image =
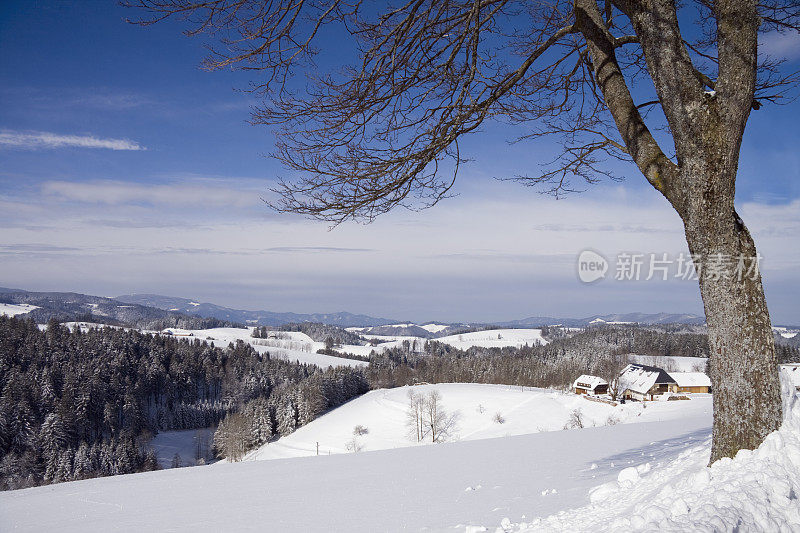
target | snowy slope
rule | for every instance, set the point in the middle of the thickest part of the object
(293, 346)
(647, 476)
(16, 309)
(446, 486)
(383, 413)
(434, 328)
(755, 491)
(495, 338)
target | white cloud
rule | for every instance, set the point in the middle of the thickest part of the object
(486, 255)
(45, 140)
(780, 44)
(197, 194)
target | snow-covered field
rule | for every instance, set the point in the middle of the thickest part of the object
(16, 309)
(383, 414)
(292, 346)
(644, 476)
(494, 338)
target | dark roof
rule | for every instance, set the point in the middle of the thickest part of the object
(663, 376)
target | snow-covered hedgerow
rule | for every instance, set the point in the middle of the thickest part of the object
(757, 490)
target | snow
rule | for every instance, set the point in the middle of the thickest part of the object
(383, 413)
(755, 491)
(691, 379)
(792, 373)
(648, 476)
(292, 346)
(16, 309)
(495, 338)
(436, 487)
(434, 328)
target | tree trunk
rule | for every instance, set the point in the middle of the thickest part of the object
(742, 364)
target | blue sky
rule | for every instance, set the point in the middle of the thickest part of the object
(125, 168)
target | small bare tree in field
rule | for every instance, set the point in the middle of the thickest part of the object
(575, 420)
(438, 424)
(602, 75)
(414, 416)
(427, 418)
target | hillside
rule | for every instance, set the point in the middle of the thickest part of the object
(259, 318)
(523, 411)
(291, 346)
(492, 338)
(66, 306)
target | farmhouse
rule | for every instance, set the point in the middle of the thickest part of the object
(587, 384)
(692, 381)
(643, 382)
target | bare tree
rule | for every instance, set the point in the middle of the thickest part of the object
(575, 420)
(611, 373)
(438, 424)
(414, 416)
(385, 131)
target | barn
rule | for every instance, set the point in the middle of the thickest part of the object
(586, 384)
(643, 382)
(696, 382)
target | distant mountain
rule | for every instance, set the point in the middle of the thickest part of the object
(638, 318)
(71, 305)
(137, 309)
(261, 318)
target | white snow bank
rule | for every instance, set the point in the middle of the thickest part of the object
(756, 491)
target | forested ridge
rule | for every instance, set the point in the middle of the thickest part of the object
(78, 405)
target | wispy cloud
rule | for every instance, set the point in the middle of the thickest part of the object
(780, 44)
(312, 249)
(45, 140)
(36, 248)
(109, 192)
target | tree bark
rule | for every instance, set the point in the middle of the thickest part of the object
(742, 363)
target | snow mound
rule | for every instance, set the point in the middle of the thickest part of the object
(758, 490)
